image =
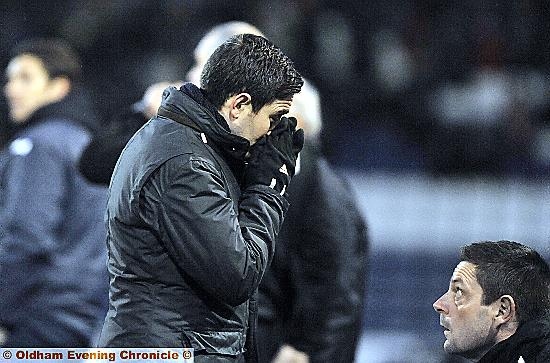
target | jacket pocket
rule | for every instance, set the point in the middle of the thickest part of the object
(220, 342)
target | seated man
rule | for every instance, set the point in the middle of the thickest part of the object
(498, 304)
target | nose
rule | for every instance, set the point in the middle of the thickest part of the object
(440, 305)
(10, 89)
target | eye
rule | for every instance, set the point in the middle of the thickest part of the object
(458, 292)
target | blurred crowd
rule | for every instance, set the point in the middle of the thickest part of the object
(407, 86)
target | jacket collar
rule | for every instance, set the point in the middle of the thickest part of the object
(190, 102)
(529, 338)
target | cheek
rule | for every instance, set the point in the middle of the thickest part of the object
(27, 97)
(266, 125)
(470, 318)
(262, 126)
(24, 90)
(32, 98)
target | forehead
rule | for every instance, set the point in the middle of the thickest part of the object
(464, 272)
(25, 63)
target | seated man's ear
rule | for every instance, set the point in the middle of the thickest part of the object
(505, 309)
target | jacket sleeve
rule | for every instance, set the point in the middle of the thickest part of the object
(31, 215)
(327, 270)
(225, 250)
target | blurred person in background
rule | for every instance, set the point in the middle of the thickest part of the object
(213, 39)
(497, 307)
(195, 202)
(312, 296)
(99, 158)
(53, 280)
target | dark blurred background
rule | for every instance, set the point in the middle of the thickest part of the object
(454, 87)
(437, 111)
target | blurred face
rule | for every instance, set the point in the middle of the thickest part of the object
(152, 98)
(253, 126)
(300, 121)
(470, 330)
(194, 74)
(28, 87)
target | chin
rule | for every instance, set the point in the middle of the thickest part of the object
(449, 348)
(18, 119)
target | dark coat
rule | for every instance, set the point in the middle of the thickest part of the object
(531, 342)
(99, 158)
(312, 295)
(53, 278)
(187, 247)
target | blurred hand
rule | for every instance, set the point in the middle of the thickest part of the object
(288, 354)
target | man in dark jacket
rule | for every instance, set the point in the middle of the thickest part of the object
(498, 305)
(194, 209)
(312, 296)
(53, 279)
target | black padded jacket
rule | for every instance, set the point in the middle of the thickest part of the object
(187, 247)
(529, 344)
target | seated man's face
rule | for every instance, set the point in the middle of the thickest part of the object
(28, 87)
(469, 327)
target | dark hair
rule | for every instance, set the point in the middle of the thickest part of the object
(249, 63)
(58, 58)
(510, 268)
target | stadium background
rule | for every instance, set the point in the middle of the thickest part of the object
(437, 112)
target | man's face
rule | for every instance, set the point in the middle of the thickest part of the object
(28, 87)
(253, 126)
(469, 325)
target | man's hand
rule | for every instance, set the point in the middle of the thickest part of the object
(288, 354)
(272, 158)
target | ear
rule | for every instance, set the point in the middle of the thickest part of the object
(505, 309)
(59, 88)
(238, 104)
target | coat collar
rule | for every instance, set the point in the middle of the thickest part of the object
(191, 103)
(530, 338)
